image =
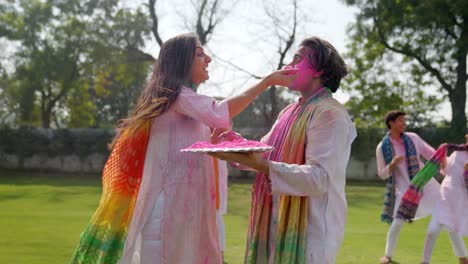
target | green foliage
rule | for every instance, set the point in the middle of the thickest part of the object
(364, 145)
(62, 46)
(27, 141)
(401, 49)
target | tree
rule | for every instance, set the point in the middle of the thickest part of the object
(430, 36)
(62, 43)
(283, 24)
(115, 72)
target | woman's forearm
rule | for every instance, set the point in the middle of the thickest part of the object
(239, 102)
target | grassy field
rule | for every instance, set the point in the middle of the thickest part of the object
(42, 216)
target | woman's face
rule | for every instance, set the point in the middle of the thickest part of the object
(305, 70)
(466, 138)
(200, 65)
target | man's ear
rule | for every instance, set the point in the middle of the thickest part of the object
(317, 74)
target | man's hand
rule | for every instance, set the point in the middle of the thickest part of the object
(395, 161)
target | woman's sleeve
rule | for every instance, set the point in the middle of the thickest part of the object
(203, 108)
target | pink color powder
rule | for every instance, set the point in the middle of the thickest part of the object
(237, 143)
(305, 74)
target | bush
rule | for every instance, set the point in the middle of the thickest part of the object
(25, 142)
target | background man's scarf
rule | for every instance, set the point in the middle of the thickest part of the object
(410, 201)
(103, 239)
(288, 138)
(460, 147)
(413, 167)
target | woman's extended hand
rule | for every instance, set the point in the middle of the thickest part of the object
(223, 134)
(283, 77)
(216, 134)
(253, 160)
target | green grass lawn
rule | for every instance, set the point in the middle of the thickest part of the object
(42, 216)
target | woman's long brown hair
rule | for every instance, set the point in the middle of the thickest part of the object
(171, 71)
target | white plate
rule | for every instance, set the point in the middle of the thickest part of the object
(232, 149)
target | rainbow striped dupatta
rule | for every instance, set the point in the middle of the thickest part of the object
(104, 238)
(410, 201)
(289, 139)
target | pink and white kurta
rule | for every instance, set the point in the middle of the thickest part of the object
(400, 171)
(223, 194)
(175, 214)
(452, 210)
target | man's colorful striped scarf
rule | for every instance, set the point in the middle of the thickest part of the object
(410, 201)
(288, 138)
(413, 167)
(460, 147)
(104, 237)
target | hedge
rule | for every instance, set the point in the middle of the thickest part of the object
(25, 142)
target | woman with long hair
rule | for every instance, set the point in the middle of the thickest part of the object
(158, 204)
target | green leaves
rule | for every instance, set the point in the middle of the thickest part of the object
(63, 46)
(399, 50)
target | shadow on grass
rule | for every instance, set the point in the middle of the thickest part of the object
(15, 177)
(8, 197)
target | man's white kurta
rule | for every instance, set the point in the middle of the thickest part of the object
(400, 171)
(329, 135)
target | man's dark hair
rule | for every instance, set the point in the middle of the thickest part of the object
(392, 116)
(326, 58)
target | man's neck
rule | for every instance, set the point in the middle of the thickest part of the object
(395, 134)
(314, 86)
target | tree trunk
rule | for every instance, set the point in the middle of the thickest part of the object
(46, 115)
(45, 120)
(274, 106)
(458, 95)
(458, 103)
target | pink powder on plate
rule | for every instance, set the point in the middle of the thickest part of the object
(236, 143)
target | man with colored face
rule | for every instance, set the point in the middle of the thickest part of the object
(299, 208)
(398, 161)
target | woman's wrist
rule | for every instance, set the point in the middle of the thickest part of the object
(266, 82)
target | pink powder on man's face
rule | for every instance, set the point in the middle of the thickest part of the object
(305, 74)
